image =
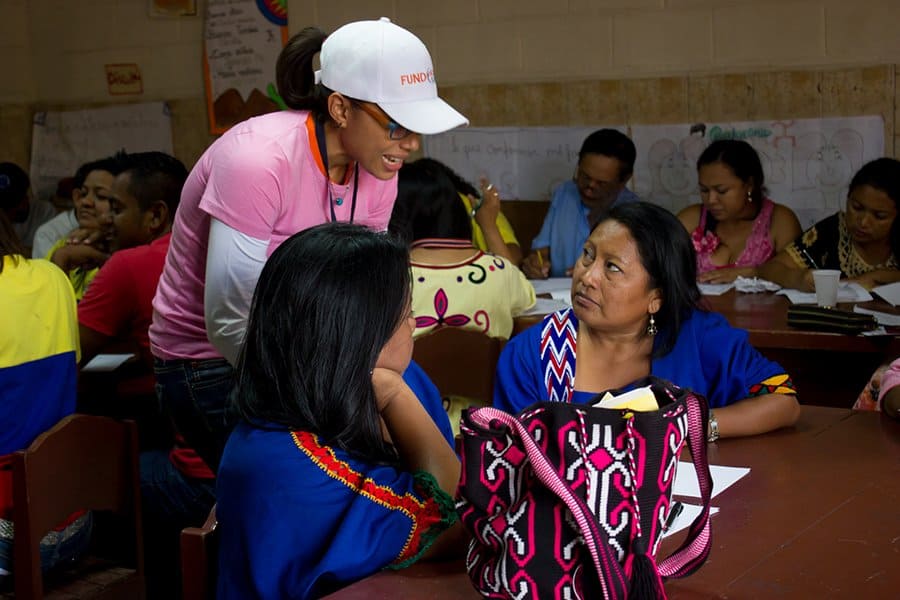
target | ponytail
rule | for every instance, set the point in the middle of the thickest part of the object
(294, 73)
(10, 245)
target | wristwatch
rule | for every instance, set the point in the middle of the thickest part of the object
(713, 428)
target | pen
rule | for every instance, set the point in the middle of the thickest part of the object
(676, 509)
(809, 258)
(540, 259)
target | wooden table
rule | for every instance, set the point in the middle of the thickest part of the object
(829, 369)
(817, 517)
(764, 316)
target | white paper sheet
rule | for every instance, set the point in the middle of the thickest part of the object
(552, 285)
(687, 516)
(890, 292)
(562, 296)
(883, 318)
(723, 477)
(847, 292)
(714, 289)
(880, 330)
(105, 362)
(544, 306)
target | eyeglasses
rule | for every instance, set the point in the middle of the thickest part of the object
(585, 180)
(395, 130)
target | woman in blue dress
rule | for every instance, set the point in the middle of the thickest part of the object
(337, 469)
(636, 312)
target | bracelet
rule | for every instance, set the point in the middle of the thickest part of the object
(713, 434)
(475, 207)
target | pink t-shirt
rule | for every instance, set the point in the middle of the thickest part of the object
(264, 178)
(757, 250)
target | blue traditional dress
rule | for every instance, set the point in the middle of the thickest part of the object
(710, 357)
(300, 519)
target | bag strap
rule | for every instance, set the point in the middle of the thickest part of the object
(695, 549)
(612, 578)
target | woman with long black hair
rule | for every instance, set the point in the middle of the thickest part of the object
(336, 469)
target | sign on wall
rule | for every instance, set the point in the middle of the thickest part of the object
(64, 140)
(124, 79)
(242, 39)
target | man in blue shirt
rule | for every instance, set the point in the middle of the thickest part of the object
(605, 164)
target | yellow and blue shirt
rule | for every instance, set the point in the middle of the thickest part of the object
(39, 350)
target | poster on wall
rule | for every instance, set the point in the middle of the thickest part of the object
(242, 39)
(523, 162)
(807, 163)
(64, 140)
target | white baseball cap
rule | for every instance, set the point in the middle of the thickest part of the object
(382, 63)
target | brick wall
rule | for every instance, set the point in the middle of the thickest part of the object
(523, 62)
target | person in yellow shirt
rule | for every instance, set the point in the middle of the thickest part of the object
(491, 231)
(39, 352)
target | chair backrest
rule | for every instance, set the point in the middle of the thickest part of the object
(459, 362)
(82, 462)
(526, 217)
(200, 560)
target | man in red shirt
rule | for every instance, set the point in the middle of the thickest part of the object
(178, 489)
(117, 307)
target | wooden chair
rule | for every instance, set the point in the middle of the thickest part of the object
(460, 362)
(82, 462)
(526, 218)
(199, 560)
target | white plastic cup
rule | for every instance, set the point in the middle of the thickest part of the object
(826, 281)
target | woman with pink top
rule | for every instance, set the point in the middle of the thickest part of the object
(883, 391)
(736, 228)
(333, 156)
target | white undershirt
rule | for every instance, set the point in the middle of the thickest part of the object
(234, 262)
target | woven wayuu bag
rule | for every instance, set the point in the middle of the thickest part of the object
(570, 501)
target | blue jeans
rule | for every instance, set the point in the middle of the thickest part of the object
(56, 548)
(196, 395)
(170, 501)
(169, 496)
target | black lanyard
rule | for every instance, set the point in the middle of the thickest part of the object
(323, 151)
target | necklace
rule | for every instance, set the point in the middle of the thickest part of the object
(339, 191)
(332, 201)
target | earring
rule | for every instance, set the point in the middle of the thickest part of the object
(750, 196)
(651, 327)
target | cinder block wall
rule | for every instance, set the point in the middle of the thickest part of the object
(504, 62)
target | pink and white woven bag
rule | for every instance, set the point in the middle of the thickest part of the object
(570, 501)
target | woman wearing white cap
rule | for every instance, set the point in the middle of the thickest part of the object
(333, 157)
